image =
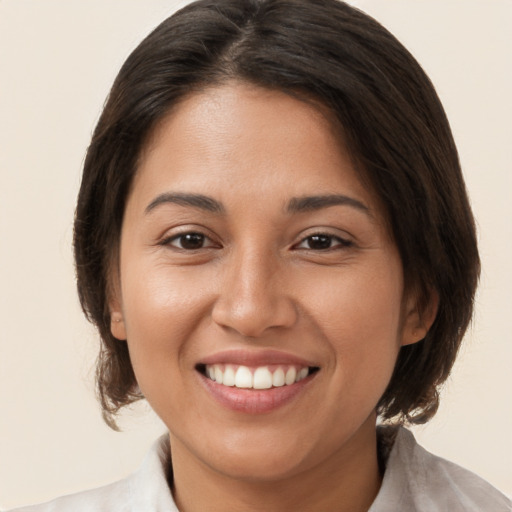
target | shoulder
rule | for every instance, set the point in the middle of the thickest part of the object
(146, 489)
(103, 499)
(415, 479)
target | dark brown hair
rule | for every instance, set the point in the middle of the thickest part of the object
(394, 126)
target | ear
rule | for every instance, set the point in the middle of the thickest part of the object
(117, 325)
(418, 318)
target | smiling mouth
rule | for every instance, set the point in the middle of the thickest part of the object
(259, 377)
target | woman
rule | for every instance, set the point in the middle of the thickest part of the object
(274, 240)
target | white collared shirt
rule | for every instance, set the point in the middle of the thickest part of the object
(414, 481)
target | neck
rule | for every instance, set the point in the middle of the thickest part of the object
(347, 480)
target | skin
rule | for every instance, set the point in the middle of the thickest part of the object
(259, 282)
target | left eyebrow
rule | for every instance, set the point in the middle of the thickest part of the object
(194, 200)
(312, 203)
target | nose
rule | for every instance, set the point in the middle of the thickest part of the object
(252, 298)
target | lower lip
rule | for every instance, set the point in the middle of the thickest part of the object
(255, 401)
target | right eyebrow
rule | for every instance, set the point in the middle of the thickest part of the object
(312, 203)
(195, 200)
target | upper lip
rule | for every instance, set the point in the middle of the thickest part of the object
(255, 358)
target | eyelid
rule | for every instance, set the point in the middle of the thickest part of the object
(177, 233)
(343, 241)
(208, 242)
(339, 240)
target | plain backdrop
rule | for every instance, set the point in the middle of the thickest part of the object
(58, 59)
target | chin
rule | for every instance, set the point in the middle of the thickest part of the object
(267, 455)
(259, 465)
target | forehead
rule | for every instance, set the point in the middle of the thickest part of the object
(244, 141)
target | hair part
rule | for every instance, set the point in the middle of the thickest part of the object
(394, 127)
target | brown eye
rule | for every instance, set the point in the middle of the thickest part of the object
(319, 242)
(323, 242)
(189, 241)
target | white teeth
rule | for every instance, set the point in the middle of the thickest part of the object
(229, 376)
(290, 376)
(278, 378)
(303, 373)
(257, 378)
(262, 378)
(243, 377)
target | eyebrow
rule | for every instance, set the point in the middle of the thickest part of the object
(195, 200)
(312, 203)
(295, 205)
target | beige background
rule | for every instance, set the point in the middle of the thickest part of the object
(57, 61)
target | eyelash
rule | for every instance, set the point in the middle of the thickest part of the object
(169, 241)
(339, 243)
(335, 242)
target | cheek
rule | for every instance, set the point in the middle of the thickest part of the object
(154, 292)
(359, 318)
(357, 306)
(162, 308)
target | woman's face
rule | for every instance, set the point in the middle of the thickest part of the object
(251, 254)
